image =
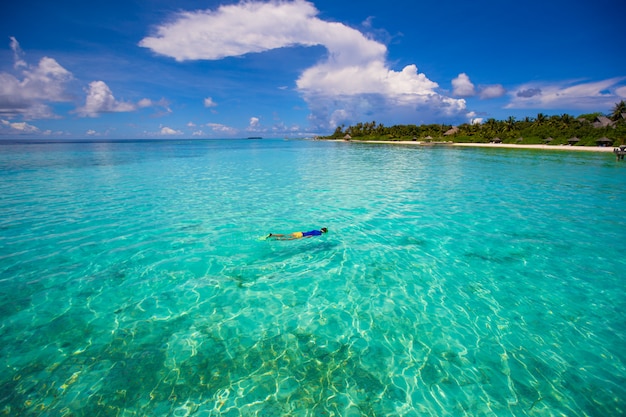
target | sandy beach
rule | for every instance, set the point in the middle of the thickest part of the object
(490, 145)
(542, 147)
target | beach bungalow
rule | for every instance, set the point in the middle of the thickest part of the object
(573, 141)
(347, 137)
(602, 121)
(496, 140)
(520, 139)
(603, 142)
(548, 140)
(452, 131)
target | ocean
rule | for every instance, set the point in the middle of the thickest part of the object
(136, 281)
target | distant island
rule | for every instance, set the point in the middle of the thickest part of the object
(255, 137)
(594, 129)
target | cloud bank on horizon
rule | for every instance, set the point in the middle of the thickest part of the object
(352, 81)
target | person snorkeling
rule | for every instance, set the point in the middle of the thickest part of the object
(297, 235)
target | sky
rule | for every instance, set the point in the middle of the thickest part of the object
(220, 69)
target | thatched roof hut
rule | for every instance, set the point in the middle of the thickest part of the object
(496, 140)
(452, 131)
(602, 121)
(604, 141)
(573, 141)
(548, 139)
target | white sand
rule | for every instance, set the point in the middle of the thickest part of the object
(548, 147)
(489, 145)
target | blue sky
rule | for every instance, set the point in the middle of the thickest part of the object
(219, 69)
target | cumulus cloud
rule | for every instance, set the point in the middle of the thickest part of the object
(145, 102)
(492, 91)
(28, 93)
(222, 129)
(254, 122)
(354, 75)
(574, 94)
(100, 100)
(462, 86)
(168, 131)
(208, 102)
(18, 127)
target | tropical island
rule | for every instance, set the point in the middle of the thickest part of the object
(593, 129)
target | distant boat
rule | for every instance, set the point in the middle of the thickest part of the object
(255, 137)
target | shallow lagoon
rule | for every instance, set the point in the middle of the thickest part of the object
(452, 282)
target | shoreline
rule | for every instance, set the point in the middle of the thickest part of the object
(486, 145)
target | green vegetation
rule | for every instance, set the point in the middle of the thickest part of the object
(589, 129)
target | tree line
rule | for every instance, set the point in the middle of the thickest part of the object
(555, 130)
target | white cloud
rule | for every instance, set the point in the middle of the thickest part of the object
(28, 93)
(354, 76)
(591, 96)
(621, 92)
(492, 91)
(145, 102)
(208, 102)
(167, 131)
(100, 99)
(17, 53)
(462, 86)
(222, 129)
(254, 122)
(233, 30)
(91, 132)
(19, 127)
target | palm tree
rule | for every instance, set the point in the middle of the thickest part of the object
(566, 120)
(338, 131)
(510, 123)
(491, 127)
(541, 119)
(618, 110)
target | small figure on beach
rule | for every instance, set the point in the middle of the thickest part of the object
(297, 235)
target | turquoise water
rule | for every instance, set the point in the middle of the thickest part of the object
(452, 282)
